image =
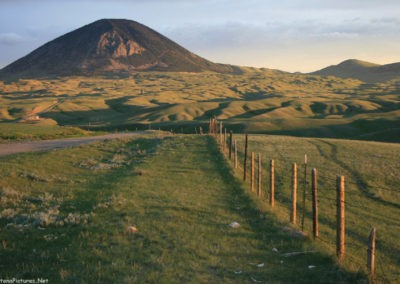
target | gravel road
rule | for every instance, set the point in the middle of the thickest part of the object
(46, 145)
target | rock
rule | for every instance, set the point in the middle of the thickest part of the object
(293, 232)
(234, 225)
(132, 230)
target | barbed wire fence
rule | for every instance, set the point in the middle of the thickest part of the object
(342, 212)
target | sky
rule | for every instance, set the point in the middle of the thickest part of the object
(290, 35)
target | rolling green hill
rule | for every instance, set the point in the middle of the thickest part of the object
(262, 101)
(71, 219)
(362, 70)
(94, 78)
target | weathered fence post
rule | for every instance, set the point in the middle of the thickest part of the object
(304, 193)
(230, 145)
(245, 157)
(259, 176)
(224, 144)
(314, 186)
(340, 230)
(220, 133)
(252, 172)
(371, 252)
(272, 184)
(236, 156)
(294, 194)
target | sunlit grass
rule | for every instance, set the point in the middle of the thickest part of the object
(72, 223)
(21, 131)
(372, 196)
(261, 101)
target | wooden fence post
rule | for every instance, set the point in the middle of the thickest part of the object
(304, 193)
(245, 157)
(230, 145)
(224, 144)
(220, 133)
(259, 176)
(340, 230)
(294, 194)
(235, 155)
(272, 184)
(252, 172)
(371, 252)
(314, 186)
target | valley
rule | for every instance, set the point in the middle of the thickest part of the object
(257, 101)
(148, 200)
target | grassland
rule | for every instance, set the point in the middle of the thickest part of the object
(258, 101)
(372, 195)
(67, 220)
(65, 213)
(21, 131)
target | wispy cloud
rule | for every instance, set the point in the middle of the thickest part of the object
(274, 32)
(10, 39)
(281, 34)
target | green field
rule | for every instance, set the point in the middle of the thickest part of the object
(65, 214)
(257, 101)
(372, 195)
(22, 131)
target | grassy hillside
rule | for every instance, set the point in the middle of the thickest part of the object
(362, 70)
(371, 189)
(260, 101)
(22, 131)
(69, 219)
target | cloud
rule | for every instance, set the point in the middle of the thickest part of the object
(10, 39)
(275, 31)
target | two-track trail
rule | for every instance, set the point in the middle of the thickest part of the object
(187, 197)
(195, 221)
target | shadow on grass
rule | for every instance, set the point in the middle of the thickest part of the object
(270, 231)
(57, 253)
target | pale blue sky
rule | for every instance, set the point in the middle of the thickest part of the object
(290, 35)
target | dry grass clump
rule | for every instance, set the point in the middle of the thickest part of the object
(23, 211)
(120, 158)
(113, 201)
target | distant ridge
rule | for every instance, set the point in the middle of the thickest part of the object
(110, 46)
(362, 70)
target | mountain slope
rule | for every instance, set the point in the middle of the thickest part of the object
(110, 45)
(362, 70)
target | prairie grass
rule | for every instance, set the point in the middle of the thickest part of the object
(371, 185)
(20, 131)
(263, 101)
(180, 195)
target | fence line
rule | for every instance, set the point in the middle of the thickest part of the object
(326, 183)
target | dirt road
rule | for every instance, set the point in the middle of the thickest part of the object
(46, 145)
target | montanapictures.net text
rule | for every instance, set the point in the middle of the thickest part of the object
(24, 281)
